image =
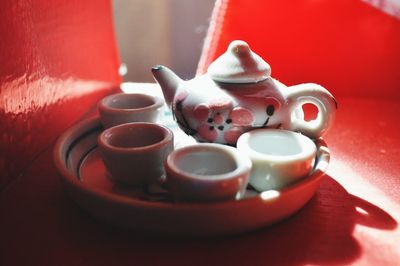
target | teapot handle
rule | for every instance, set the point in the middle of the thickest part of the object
(317, 95)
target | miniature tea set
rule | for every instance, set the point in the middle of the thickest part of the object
(236, 95)
(253, 145)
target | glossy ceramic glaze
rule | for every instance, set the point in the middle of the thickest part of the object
(123, 108)
(207, 172)
(238, 94)
(279, 157)
(134, 153)
(77, 159)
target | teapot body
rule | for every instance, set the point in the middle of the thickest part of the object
(220, 112)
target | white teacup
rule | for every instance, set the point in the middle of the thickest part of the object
(279, 157)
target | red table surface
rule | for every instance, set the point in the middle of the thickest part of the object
(353, 218)
(347, 46)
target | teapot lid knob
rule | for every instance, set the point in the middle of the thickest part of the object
(239, 65)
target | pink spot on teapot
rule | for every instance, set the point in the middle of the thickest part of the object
(238, 94)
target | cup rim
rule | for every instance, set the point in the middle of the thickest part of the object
(103, 106)
(308, 146)
(168, 137)
(243, 163)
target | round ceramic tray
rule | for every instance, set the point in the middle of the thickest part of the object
(78, 161)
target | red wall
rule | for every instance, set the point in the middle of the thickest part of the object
(57, 58)
(348, 46)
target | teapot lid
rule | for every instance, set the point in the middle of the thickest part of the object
(239, 65)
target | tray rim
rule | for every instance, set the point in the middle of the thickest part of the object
(66, 141)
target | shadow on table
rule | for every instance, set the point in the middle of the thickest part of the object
(320, 233)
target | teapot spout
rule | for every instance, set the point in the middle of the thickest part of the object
(168, 81)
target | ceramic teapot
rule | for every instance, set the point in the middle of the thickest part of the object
(238, 94)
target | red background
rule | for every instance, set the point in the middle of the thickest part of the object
(347, 46)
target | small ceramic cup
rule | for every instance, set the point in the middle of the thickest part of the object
(279, 157)
(134, 153)
(207, 172)
(124, 108)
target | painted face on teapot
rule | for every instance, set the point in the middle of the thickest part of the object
(238, 94)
